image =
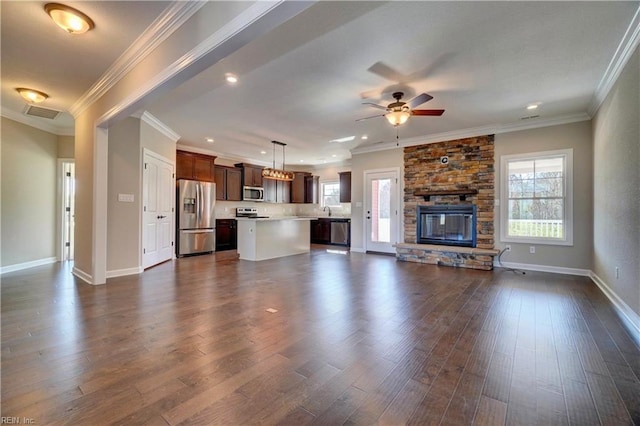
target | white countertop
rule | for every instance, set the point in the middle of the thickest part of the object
(272, 218)
(275, 218)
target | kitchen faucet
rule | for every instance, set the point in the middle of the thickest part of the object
(327, 207)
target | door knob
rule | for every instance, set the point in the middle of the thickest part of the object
(161, 217)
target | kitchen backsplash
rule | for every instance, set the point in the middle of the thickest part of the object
(227, 209)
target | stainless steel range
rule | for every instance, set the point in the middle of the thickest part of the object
(251, 212)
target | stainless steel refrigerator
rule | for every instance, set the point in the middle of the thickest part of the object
(196, 222)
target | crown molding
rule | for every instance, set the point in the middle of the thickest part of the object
(38, 124)
(623, 53)
(472, 132)
(252, 15)
(154, 122)
(176, 14)
(221, 155)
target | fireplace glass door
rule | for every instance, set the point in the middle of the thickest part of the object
(447, 225)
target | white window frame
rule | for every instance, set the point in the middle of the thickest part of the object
(567, 155)
(328, 182)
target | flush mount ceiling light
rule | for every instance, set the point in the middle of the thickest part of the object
(277, 174)
(231, 78)
(210, 140)
(32, 96)
(69, 19)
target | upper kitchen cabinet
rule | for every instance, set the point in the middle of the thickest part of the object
(298, 187)
(190, 165)
(277, 191)
(345, 187)
(228, 183)
(312, 189)
(251, 175)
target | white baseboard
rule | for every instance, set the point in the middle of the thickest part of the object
(27, 265)
(357, 249)
(631, 319)
(122, 272)
(543, 268)
(82, 275)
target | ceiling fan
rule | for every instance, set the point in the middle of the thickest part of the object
(398, 112)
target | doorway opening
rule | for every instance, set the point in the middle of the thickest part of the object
(67, 209)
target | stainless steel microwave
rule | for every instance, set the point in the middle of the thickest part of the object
(252, 193)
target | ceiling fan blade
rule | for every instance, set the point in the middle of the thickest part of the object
(419, 100)
(374, 105)
(373, 116)
(433, 112)
(385, 71)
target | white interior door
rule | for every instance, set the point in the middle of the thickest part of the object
(382, 218)
(157, 205)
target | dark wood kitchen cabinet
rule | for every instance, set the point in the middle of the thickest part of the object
(251, 174)
(321, 231)
(191, 165)
(228, 183)
(312, 189)
(226, 234)
(277, 191)
(345, 187)
(298, 187)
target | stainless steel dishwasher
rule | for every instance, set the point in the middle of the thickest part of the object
(340, 232)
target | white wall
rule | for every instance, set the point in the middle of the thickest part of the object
(578, 137)
(127, 140)
(359, 164)
(616, 210)
(123, 222)
(28, 212)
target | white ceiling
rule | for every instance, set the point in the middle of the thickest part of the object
(304, 83)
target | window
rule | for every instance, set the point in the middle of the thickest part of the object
(537, 197)
(330, 194)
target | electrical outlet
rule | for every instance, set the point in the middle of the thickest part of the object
(532, 249)
(507, 247)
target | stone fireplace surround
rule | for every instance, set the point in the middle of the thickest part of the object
(465, 176)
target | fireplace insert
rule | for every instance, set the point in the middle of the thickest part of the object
(451, 225)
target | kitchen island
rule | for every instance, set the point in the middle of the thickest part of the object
(269, 238)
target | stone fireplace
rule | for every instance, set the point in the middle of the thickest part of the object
(449, 178)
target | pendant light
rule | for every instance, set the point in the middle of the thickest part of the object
(277, 174)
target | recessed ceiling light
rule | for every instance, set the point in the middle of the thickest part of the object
(210, 140)
(302, 161)
(342, 140)
(231, 78)
(263, 152)
(69, 19)
(532, 106)
(30, 95)
(364, 137)
(334, 155)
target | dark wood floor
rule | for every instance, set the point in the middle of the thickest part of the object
(357, 339)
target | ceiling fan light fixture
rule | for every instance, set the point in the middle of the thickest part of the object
(32, 96)
(69, 19)
(397, 117)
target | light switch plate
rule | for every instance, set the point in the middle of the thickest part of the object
(126, 198)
